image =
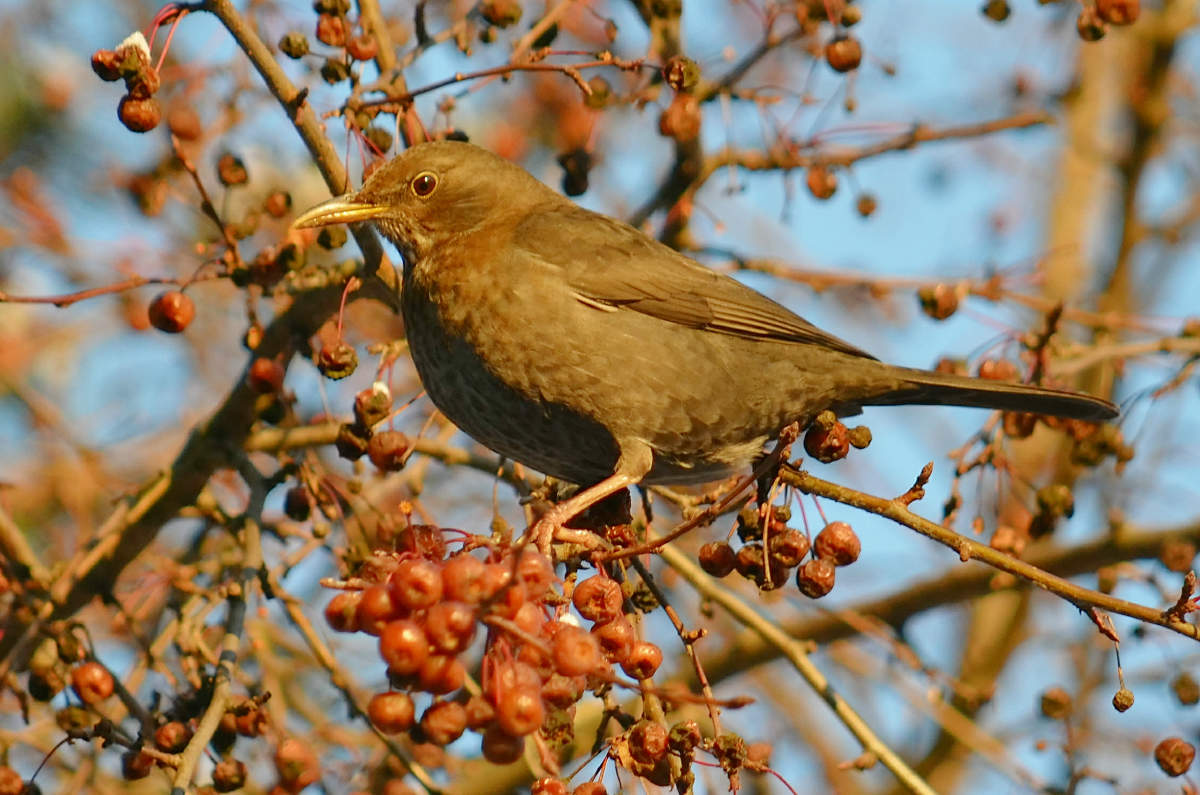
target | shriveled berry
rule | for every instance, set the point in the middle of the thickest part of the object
(416, 583)
(363, 48)
(750, 562)
(598, 599)
(682, 119)
(939, 301)
(838, 542)
(480, 712)
(1122, 699)
(643, 660)
(92, 682)
(171, 311)
(296, 504)
(1177, 555)
(372, 405)
(827, 443)
(648, 741)
(999, 370)
(616, 639)
(139, 115)
(548, 786)
(107, 65)
(501, 13)
(681, 73)
(815, 577)
(562, 692)
(331, 30)
(294, 44)
(717, 558)
(231, 170)
(404, 646)
(1186, 689)
(787, 548)
(391, 712)
(536, 573)
(1056, 703)
(388, 450)
(11, 782)
(352, 441)
(1174, 755)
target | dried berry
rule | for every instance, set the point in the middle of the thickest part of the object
(1089, 24)
(717, 558)
(171, 311)
(296, 764)
(388, 450)
(1122, 699)
(681, 73)
(501, 13)
(231, 170)
(821, 181)
(827, 439)
(294, 44)
(996, 10)
(681, 119)
(1174, 755)
(337, 360)
(1119, 12)
(939, 301)
(838, 543)
(351, 442)
(598, 599)
(391, 712)
(229, 775)
(816, 577)
(139, 114)
(1056, 703)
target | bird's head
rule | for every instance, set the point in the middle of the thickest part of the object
(432, 192)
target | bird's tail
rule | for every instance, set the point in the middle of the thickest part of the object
(920, 387)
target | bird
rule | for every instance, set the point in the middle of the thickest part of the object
(581, 347)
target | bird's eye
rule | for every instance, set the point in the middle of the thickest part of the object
(424, 183)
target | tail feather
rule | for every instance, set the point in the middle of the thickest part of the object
(919, 387)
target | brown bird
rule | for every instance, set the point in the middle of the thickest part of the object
(580, 347)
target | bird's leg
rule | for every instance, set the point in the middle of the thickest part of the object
(635, 461)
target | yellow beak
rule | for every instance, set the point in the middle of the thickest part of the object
(338, 210)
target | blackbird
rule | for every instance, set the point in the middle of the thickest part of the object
(580, 347)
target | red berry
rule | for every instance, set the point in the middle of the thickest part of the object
(815, 578)
(391, 712)
(441, 674)
(11, 782)
(107, 65)
(229, 775)
(520, 710)
(576, 652)
(480, 712)
(648, 741)
(92, 682)
(536, 573)
(462, 579)
(717, 558)
(342, 611)
(171, 311)
(616, 639)
(416, 583)
(643, 660)
(1174, 755)
(548, 786)
(450, 626)
(139, 115)
(136, 765)
(843, 53)
(404, 647)
(839, 543)
(562, 691)
(376, 607)
(788, 548)
(821, 181)
(444, 722)
(827, 443)
(598, 599)
(388, 450)
(1119, 12)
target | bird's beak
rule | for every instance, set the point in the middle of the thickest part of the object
(339, 210)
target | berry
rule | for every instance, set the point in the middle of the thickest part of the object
(171, 311)
(576, 652)
(648, 741)
(815, 578)
(843, 53)
(11, 782)
(536, 573)
(107, 65)
(391, 712)
(463, 579)
(680, 73)
(500, 747)
(838, 543)
(231, 170)
(404, 646)
(294, 44)
(717, 558)
(388, 450)
(1119, 12)
(331, 30)
(342, 611)
(296, 505)
(480, 712)
(939, 301)
(444, 722)
(520, 710)
(229, 775)
(416, 583)
(821, 181)
(172, 737)
(827, 439)
(598, 599)
(296, 764)
(376, 607)
(372, 405)
(92, 682)
(616, 639)
(441, 674)
(1174, 755)
(548, 786)
(501, 13)
(139, 115)
(450, 626)
(136, 765)
(1056, 703)
(643, 660)
(1122, 699)
(787, 548)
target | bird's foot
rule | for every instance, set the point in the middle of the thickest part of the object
(549, 530)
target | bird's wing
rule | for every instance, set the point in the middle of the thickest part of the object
(610, 265)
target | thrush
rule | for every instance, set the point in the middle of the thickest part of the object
(579, 346)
